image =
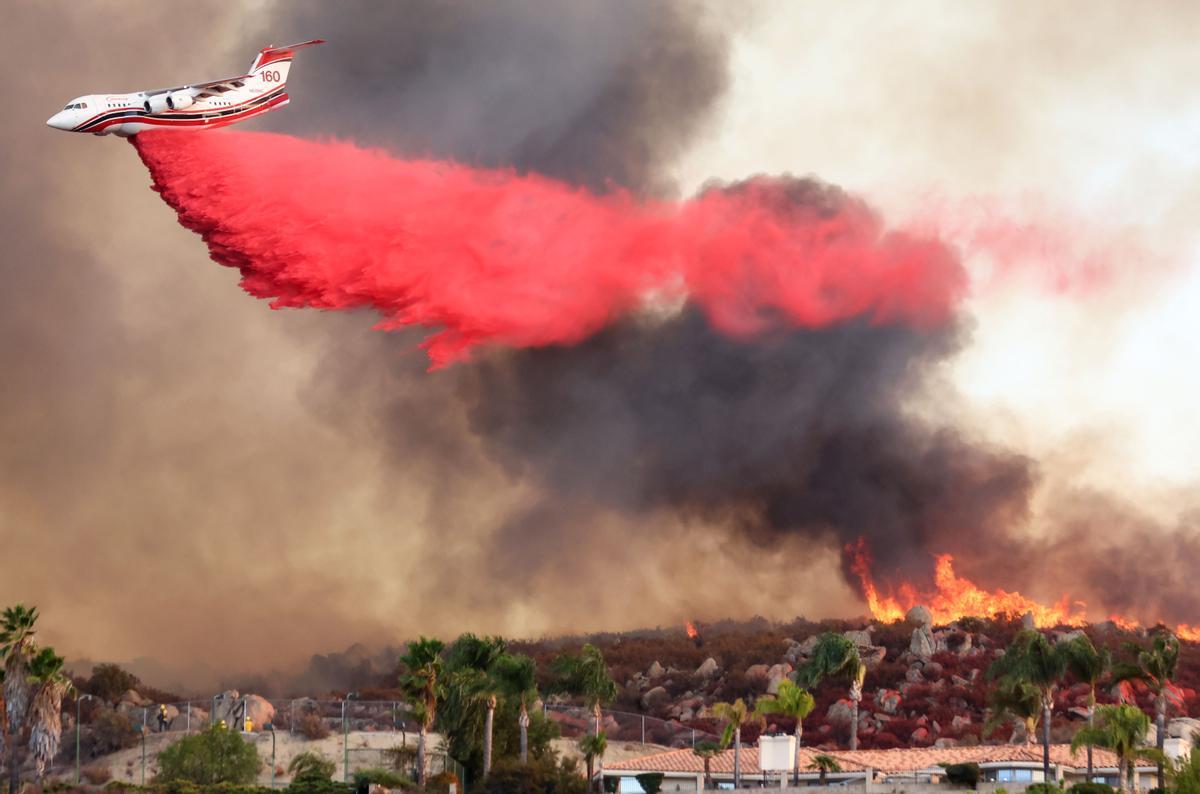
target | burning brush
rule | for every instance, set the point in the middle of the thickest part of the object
(692, 632)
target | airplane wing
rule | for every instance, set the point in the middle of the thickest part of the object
(212, 87)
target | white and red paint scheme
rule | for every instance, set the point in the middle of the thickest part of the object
(192, 107)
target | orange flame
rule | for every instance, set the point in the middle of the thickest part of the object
(956, 597)
(690, 627)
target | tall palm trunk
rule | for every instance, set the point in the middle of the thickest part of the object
(796, 765)
(488, 721)
(46, 733)
(523, 723)
(707, 772)
(1160, 722)
(855, 696)
(1091, 726)
(737, 757)
(597, 714)
(421, 753)
(16, 706)
(1047, 704)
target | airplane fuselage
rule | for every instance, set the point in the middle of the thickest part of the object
(197, 106)
(129, 114)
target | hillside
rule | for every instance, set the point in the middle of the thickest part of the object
(937, 695)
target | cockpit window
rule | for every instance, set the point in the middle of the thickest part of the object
(76, 106)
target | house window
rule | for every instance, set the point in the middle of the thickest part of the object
(1014, 776)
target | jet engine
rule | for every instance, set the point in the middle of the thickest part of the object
(163, 102)
(179, 100)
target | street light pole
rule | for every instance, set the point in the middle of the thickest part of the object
(78, 703)
(346, 738)
(271, 726)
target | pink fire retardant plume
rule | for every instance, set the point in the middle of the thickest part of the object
(494, 257)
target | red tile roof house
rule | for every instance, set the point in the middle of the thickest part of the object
(1009, 766)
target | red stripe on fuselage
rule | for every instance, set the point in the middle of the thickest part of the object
(159, 121)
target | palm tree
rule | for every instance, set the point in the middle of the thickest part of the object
(734, 715)
(586, 676)
(17, 632)
(469, 662)
(837, 657)
(593, 746)
(1154, 667)
(1015, 699)
(1123, 730)
(706, 750)
(825, 764)
(516, 677)
(49, 687)
(421, 679)
(790, 701)
(1032, 659)
(1087, 666)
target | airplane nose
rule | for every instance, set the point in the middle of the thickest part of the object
(57, 121)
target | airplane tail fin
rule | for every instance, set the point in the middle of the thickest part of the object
(270, 68)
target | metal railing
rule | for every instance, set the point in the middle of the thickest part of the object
(625, 726)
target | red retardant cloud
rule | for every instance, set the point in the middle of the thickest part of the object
(494, 257)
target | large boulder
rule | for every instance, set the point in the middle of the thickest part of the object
(861, 639)
(259, 710)
(873, 656)
(655, 670)
(922, 645)
(656, 700)
(757, 673)
(776, 675)
(839, 713)
(708, 668)
(919, 616)
(132, 697)
(887, 700)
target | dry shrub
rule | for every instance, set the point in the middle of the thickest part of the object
(96, 774)
(311, 726)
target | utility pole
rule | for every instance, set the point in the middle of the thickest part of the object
(346, 738)
(78, 703)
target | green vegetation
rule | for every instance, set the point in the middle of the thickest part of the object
(825, 764)
(962, 774)
(1032, 662)
(1184, 774)
(311, 765)
(1087, 666)
(17, 645)
(707, 751)
(790, 701)
(835, 656)
(593, 746)
(1154, 667)
(216, 755)
(1123, 730)
(651, 782)
(732, 716)
(109, 681)
(539, 776)
(1091, 788)
(383, 777)
(422, 680)
(1043, 788)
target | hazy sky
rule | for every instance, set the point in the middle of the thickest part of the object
(180, 478)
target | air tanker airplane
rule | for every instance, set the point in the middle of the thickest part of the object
(193, 107)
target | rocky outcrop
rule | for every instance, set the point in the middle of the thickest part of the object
(656, 700)
(708, 668)
(922, 645)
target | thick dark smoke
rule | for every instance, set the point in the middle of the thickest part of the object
(805, 433)
(595, 93)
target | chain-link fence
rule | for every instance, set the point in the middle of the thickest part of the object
(623, 726)
(355, 734)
